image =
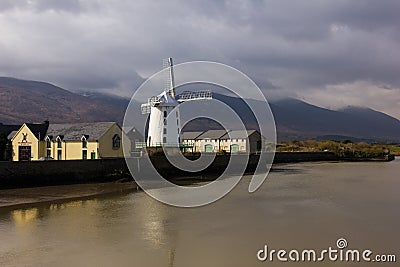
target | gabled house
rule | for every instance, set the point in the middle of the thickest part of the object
(236, 141)
(248, 141)
(209, 141)
(73, 141)
(189, 141)
(27, 143)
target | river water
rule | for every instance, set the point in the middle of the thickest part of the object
(300, 206)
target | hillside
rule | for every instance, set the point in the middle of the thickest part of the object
(30, 101)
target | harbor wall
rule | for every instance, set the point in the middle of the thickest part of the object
(42, 173)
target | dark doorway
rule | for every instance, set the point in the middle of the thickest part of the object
(24, 153)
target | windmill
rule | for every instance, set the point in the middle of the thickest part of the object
(164, 123)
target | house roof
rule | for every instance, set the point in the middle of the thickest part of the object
(74, 131)
(7, 129)
(212, 134)
(133, 134)
(11, 135)
(190, 135)
(38, 129)
(238, 134)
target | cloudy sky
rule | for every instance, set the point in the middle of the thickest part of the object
(329, 53)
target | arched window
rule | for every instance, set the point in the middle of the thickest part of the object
(116, 141)
(48, 142)
(59, 142)
(84, 142)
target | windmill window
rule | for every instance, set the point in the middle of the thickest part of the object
(165, 121)
(116, 142)
(165, 130)
(165, 114)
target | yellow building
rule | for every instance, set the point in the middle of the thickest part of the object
(74, 141)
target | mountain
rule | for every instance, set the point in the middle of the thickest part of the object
(298, 120)
(31, 101)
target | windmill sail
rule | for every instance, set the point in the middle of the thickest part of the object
(196, 95)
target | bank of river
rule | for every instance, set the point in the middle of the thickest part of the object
(46, 173)
(302, 206)
(28, 197)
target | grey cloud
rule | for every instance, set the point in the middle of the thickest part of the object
(295, 47)
(42, 5)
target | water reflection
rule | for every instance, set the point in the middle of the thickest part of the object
(22, 217)
(310, 207)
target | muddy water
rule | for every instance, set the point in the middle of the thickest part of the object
(300, 206)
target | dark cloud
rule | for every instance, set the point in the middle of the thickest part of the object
(311, 49)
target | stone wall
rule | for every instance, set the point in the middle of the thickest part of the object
(40, 173)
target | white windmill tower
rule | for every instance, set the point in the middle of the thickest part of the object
(164, 123)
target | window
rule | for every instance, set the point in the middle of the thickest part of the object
(59, 154)
(165, 114)
(84, 142)
(93, 155)
(59, 142)
(48, 142)
(165, 121)
(116, 142)
(208, 148)
(84, 154)
(48, 153)
(165, 130)
(164, 140)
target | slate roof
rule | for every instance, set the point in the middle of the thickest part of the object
(7, 129)
(74, 131)
(38, 129)
(11, 135)
(133, 134)
(190, 135)
(212, 134)
(238, 134)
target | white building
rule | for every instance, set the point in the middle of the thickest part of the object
(248, 141)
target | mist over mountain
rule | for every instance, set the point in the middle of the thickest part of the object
(32, 101)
